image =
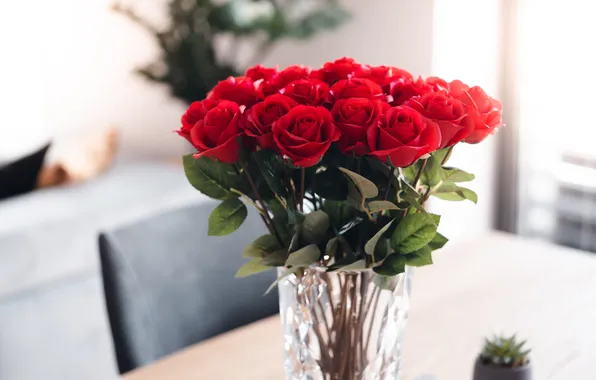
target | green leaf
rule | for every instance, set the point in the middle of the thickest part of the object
(227, 217)
(315, 226)
(212, 178)
(356, 265)
(393, 265)
(442, 155)
(337, 245)
(342, 262)
(295, 241)
(449, 191)
(331, 184)
(366, 188)
(420, 258)
(304, 256)
(294, 216)
(410, 172)
(261, 246)
(413, 232)
(340, 213)
(438, 242)
(370, 245)
(378, 206)
(288, 272)
(456, 175)
(275, 259)
(252, 267)
(272, 170)
(432, 173)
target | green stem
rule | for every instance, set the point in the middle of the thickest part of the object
(290, 187)
(391, 175)
(447, 155)
(302, 179)
(266, 217)
(419, 174)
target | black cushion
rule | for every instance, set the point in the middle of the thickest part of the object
(20, 176)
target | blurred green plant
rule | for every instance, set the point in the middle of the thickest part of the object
(504, 351)
(189, 62)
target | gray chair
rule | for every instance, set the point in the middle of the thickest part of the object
(168, 285)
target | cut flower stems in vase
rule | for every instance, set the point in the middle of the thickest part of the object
(339, 162)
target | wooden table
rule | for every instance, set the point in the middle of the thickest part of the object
(495, 283)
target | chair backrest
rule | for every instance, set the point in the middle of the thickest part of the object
(168, 285)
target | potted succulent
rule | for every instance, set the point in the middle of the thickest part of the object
(503, 358)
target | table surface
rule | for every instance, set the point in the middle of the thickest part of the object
(497, 283)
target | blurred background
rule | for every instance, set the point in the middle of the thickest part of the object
(70, 69)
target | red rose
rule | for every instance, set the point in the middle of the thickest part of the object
(259, 72)
(283, 78)
(353, 117)
(238, 90)
(403, 136)
(356, 88)
(195, 113)
(437, 84)
(404, 89)
(383, 75)
(216, 135)
(258, 120)
(304, 134)
(310, 92)
(484, 112)
(343, 68)
(448, 112)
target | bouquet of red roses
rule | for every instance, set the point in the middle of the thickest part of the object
(338, 161)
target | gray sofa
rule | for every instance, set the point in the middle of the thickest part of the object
(53, 324)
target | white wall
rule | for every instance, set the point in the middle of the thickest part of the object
(91, 53)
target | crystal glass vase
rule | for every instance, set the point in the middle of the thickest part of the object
(344, 325)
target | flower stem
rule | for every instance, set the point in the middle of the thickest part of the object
(419, 174)
(391, 175)
(265, 214)
(302, 178)
(447, 155)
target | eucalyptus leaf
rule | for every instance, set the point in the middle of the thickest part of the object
(378, 206)
(261, 246)
(304, 256)
(451, 192)
(393, 265)
(253, 266)
(413, 232)
(366, 188)
(315, 226)
(456, 175)
(295, 241)
(287, 272)
(349, 259)
(371, 245)
(438, 242)
(227, 217)
(355, 266)
(275, 259)
(212, 178)
(420, 258)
